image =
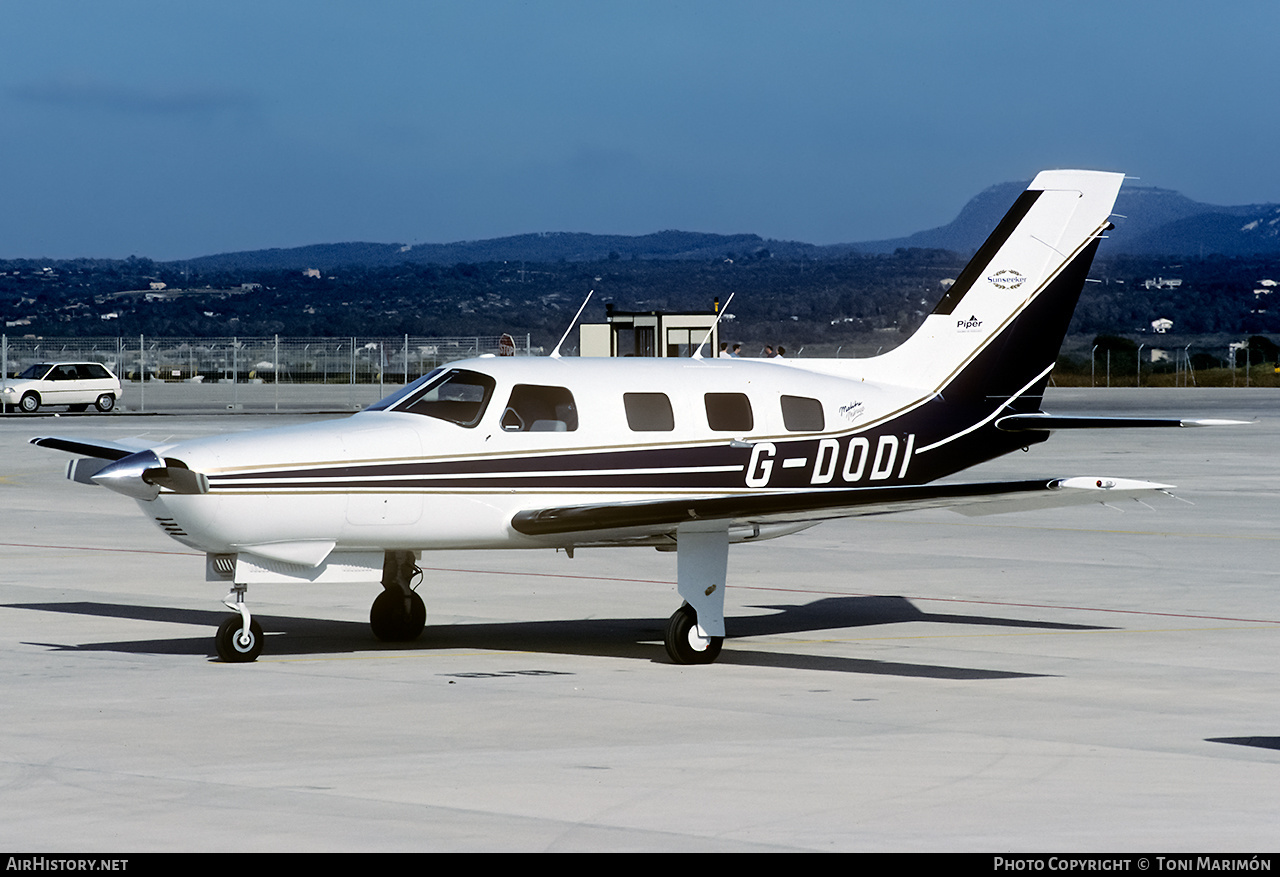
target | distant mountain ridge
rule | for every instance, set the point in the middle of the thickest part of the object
(540, 247)
(1152, 222)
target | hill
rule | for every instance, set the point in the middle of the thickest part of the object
(544, 247)
(1150, 222)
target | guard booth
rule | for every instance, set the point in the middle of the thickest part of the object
(650, 333)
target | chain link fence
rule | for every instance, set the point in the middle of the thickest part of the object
(270, 360)
(215, 369)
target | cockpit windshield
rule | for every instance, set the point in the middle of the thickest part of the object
(456, 395)
(407, 390)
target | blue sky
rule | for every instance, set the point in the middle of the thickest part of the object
(172, 130)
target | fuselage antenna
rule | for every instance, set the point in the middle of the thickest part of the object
(697, 354)
(555, 354)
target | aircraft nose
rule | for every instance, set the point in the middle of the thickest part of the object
(125, 475)
(141, 476)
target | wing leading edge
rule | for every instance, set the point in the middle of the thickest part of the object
(662, 516)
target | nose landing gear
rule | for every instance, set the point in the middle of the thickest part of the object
(239, 638)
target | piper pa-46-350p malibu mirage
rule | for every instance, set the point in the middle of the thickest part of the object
(688, 455)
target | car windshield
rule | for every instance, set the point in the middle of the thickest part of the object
(37, 371)
(456, 395)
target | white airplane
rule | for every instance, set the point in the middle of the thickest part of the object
(685, 455)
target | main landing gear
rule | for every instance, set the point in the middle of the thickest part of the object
(685, 645)
(695, 632)
(397, 619)
(398, 614)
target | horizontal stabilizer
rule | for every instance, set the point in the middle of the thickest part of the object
(1043, 422)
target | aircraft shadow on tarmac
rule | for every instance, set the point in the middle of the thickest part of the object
(639, 638)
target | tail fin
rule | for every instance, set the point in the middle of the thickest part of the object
(997, 331)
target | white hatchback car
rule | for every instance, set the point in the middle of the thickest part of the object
(74, 384)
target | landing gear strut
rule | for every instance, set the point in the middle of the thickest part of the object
(398, 614)
(239, 638)
(695, 632)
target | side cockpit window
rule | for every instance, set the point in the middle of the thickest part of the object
(456, 395)
(535, 408)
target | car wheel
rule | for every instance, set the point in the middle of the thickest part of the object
(30, 403)
(106, 402)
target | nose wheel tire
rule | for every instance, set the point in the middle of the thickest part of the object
(684, 645)
(231, 647)
(394, 622)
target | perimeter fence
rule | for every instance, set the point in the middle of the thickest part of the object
(276, 371)
(275, 359)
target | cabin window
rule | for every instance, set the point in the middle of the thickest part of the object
(456, 395)
(534, 408)
(802, 414)
(728, 412)
(649, 412)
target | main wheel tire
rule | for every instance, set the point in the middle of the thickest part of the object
(30, 403)
(230, 648)
(391, 622)
(105, 402)
(684, 646)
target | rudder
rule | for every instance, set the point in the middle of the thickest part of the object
(998, 329)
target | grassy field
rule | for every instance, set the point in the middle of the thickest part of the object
(1257, 376)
